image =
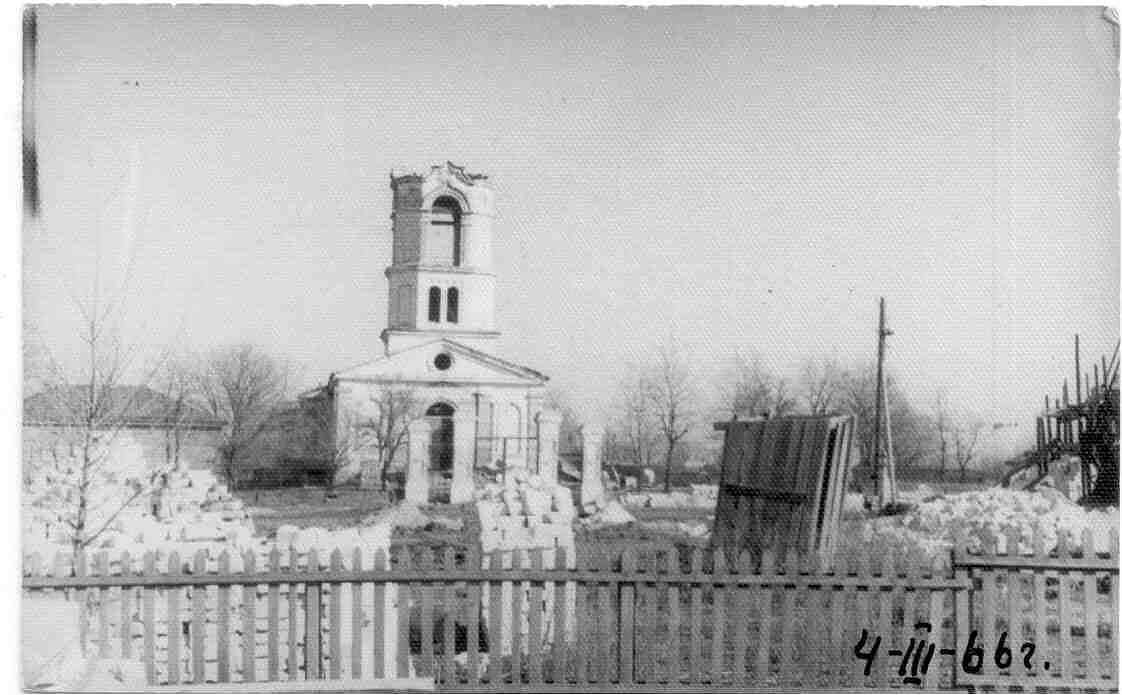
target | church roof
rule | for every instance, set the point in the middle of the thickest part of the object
(419, 363)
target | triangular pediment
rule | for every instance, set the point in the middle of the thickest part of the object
(442, 361)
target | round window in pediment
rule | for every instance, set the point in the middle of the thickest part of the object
(442, 361)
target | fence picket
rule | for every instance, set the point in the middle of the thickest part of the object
(148, 610)
(450, 613)
(762, 670)
(249, 618)
(198, 618)
(627, 644)
(695, 617)
(937, 599)
(607, 630)
(101, 599)
(335, 619)
(472, 608)
(496, 597)
(581, 636)
(636, 609)
(720, 570)
(356, 616)
(175, 627)
(743, 595)
(534, 621)
(560, 618)
(379, 637)
(1091, 612)
(674, 616)
(1063, 551)
(1112, 584)
(223, 621)
(884, 617)
(313, 654)
(293, 612)
(126, 594)
(273, 610)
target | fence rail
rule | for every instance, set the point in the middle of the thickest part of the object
(636, 620)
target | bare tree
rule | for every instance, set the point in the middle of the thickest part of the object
(965, 446)
(76, 474)
(820, 385)
(635, 420)
(176, 383)
(911, 433)
(943, 431)
(672, 401)
(750, 389)
(386, 422)
(242, 386)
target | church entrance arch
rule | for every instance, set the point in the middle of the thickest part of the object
(441, 451)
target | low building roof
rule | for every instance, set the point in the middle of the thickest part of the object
(131, 406)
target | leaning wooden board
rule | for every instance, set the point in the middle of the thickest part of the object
(783, 484)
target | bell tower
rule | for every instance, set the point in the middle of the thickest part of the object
(440, 278)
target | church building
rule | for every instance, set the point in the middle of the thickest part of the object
(469, 410)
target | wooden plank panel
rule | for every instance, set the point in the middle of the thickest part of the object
(175, 627)
(148, 610)
(273, 608)
(1113, 588)
(811, 641)
(249, 619)
(837, 649)
(198, 619)
(223, 620)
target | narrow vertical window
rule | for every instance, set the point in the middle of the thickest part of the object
(453, 305)
(446, 238)
(434, 304)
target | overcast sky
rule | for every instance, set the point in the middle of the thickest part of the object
(741, 178)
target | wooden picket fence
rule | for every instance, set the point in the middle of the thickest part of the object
(633, 620)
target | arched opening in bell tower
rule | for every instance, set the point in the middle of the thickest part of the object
(446, 232)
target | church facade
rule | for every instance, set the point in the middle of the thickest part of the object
(461, 410)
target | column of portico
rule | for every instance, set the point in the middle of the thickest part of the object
(417, 476)
(463, 453)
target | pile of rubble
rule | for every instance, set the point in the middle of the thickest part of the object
(525, 512)
(187, 511)
(932, 525)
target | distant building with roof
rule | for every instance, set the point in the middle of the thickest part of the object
(133, 420)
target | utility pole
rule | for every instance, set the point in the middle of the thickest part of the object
(885, 489)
